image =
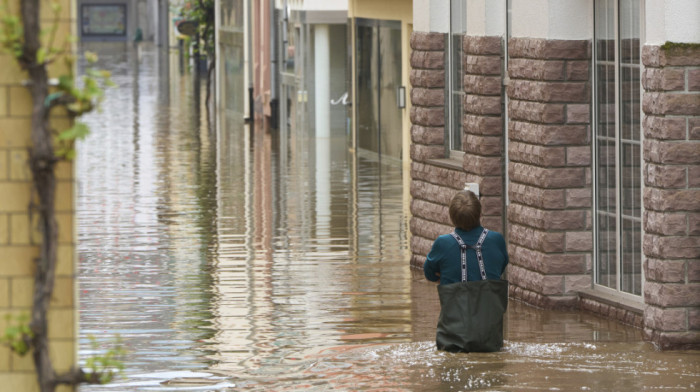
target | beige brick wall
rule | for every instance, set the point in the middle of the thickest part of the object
(671, 105)
(484, 146)
(432, 186)
(549, 217)
(19, 237)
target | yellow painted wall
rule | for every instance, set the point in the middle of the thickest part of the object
(19, 237)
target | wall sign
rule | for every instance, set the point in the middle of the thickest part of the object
(103, 19)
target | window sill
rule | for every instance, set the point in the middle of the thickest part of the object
(447, 163)
(613, 299)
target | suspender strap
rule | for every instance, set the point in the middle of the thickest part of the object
(479, 256)
(463, 251)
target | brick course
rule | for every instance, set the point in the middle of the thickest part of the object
(432, 187)
(549, 215)
(484, 144)
(671, 104)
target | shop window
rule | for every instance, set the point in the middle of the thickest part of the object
(617, 138)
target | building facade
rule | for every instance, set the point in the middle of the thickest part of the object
(580, 123)
(311, 46)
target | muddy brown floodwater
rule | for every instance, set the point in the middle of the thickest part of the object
(239, 259)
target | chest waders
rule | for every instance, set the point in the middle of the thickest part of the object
(471, 312)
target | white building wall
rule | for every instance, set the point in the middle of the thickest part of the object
(325, 5)
(664, 20)
(431, 15)
(476, 17)
(570, 19)
(530, 18)
(486, 18)
(672, 20)
(552, 19)
(313, 5)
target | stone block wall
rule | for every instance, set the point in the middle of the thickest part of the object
(549, 217)
(433, 181)
(19, 234)
(483, 124)
(671, 150)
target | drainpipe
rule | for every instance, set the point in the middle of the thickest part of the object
(249, 42)
(274, 67)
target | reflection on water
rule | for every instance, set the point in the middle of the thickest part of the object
(228, 263)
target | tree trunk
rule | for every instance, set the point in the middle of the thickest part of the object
(42, 165)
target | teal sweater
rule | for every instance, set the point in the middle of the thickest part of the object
(444, 258)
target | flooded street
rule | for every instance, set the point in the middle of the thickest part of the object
(238, 259)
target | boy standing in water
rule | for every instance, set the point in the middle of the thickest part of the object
(469, 263)
(443, 262)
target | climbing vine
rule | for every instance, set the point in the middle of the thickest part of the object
(34, 48)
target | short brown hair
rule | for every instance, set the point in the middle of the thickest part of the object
(465, 210)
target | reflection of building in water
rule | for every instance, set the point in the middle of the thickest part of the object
(297, 265)
(232, 70)
(124, 20)
(566, 155)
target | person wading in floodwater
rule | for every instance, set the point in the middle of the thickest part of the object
(469, 263)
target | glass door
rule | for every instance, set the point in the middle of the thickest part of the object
(618, 161)
(378, 69)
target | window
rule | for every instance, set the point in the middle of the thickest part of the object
(454, 86)
(617, 158)
(103, 19)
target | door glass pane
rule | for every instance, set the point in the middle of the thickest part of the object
(630, 179)
(606, 236)
(390, 80)
(457, 92)
(455, 88)
(456, 142)
(631, 266)
(630, 198)
(630, 154)
(606, 200)
(367, 86)
(607, 250)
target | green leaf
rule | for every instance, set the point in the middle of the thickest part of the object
(77, 131)
(70, 154)
(41, 55)
(65, 82)
(91, 57)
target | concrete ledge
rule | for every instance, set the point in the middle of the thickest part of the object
(612, 306)
(452, 164)
(618, 301)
